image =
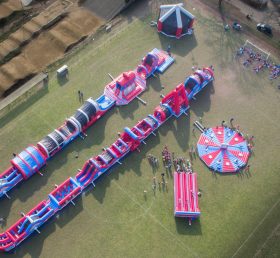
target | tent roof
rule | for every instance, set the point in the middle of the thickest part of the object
(175, 21)
(177, 9)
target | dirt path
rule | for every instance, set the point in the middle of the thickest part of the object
(7, 8)
(34, 46)
(235, 14)
(49, 46)
(268, 15)
(36, 25)
(105, 9)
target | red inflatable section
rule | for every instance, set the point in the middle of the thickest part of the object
(186, 195)
(176, 99)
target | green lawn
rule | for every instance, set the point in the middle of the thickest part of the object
(114, 219)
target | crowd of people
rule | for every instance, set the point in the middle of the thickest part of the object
(180, 165)
(166, 157)
(247, 137)
(252, 57)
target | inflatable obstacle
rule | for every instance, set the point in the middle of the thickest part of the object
(121, 91)
(186, 195)
(223, 149)
(175, 21)
(174, 103)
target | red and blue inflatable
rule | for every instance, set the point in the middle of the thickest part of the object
(120, 91)
(174, 103)
(186, 195)
(223, 149)
(175, 21)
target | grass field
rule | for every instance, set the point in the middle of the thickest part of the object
(240, 214)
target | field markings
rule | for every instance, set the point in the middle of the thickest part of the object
(146, 211)
(255, 229)
(181, 244)
(118, 222)
(268, 238)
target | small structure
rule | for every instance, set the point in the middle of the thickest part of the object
(62, 72)
(175, 21)
(223, 149)
(128, 85)
(125, 87)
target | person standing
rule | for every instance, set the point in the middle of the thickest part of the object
(82, 97)
(169, 50)
(231, 122)
(251, 140)
(79, 95)
(247, 168)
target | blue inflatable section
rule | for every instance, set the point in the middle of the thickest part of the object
(29, 161)
(104, 102)
(131, 134)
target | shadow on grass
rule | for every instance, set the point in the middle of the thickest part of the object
(28, 188)
(180, 127)
(183, 228)
(128, 110)
(135, 10)
(34, 244)
(70, 212)
(155, 83)
(241, 174)
(62, 80)
(132, 162)
(29, 101)
(203, 105)
(181, 46)
(5, 205)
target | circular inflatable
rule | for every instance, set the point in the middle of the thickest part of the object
(223, 150)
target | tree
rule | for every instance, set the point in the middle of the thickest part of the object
(220, 3)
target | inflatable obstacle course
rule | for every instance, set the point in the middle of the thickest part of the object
(175, 104)
(121, 91)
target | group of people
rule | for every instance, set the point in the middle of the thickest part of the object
(232, 126)
(248, 138)
(182, 165)
(160, 184)
(166, 157)
(192, 152)
(152, 160)
(253, 57)
(250, 142)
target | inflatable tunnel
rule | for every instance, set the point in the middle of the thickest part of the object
(50, 144)
(29, 161)
(162, 112)
(85, 113)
